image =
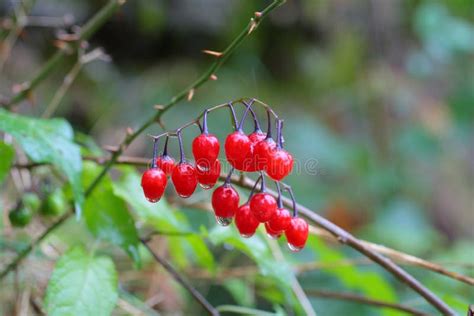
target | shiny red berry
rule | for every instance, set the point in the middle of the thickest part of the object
(154, 183)
(273, 234)
(280, 221)
(297, 233)
(208, 178)
(225, 202)
(261, 153)
(263, 206)
(237, 148)
(184, 178)
(205, 150)
(246, 223)
(166, 163)
(251, 161)
(280, 164)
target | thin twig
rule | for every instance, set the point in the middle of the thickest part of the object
(364, 300)
(177, 276)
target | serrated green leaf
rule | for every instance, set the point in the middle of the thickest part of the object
(82, 284)
(48, 141)
(7, 153)
(162, 217)
(107, 216)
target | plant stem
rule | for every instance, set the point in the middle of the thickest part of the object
(243, 310)
(86, 32)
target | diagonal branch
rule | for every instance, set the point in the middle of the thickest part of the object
(175, 274)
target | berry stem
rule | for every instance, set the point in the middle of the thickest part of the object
(229, 177)
(279, 137)
(181, 149)
(263, 187)
(255, 118)
(234, 117)
(155, 153)
(293, 200)
(269, 124)
(165, 149)
(248, 107)
(279, 200)
(204, 123)
(254, 187)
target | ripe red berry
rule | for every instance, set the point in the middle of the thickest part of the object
(251, 161)
(225, 202)
(261, 153)
(246, 223)
(205, 150)
(237, 148)
(166, 163)
(297, 233)
(280, 164)
(154, 184)
(273, 234)
(184, 178)
(208, 178)
(280, 221)
(263, 206)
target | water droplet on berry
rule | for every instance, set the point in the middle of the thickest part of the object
(272, 236)
(224, 221)
(294, 248)
(203, 167)
(152, 200)
(205, 186)
(246, 235)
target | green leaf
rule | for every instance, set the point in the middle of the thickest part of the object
(48, 141)
(164, 218)
(7, 154)
(107, 216)
(82, 284)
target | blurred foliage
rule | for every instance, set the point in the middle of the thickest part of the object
(377, 98)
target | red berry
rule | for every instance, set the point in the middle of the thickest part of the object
(205, 150)
(251, 161)
(237, 148)
(297, 233)
(263, 206)
(208, 178)
(261, 153)
(154, 184)
(280, 221)
(225, 202)
(184, 178)
(246, 223)
(273, 234)
(166, 163)
(280, 164)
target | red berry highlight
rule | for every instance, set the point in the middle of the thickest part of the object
(237, 148)
(205, 150)
(263, 206)
(166, 163)
(153, 184)
(261, 153)
(297, 233)
(273, 234)
(184, 178)
(246, 223)
(280, 164)
(208, 178)
(251, 161)
(225, 202)
(280, 221)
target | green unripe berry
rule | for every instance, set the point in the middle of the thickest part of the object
(54, 204)
(20, 217)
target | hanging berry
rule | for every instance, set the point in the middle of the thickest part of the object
(246, 223)
(280, 162)
(205, 147)
(184, 175)
(208, 178)
(225, 202)
(166, 162)
(154, 179)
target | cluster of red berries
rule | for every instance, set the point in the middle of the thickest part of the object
(256, 152)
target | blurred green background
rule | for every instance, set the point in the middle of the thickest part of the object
(378, 95)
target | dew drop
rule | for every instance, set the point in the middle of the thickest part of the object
(223, 221)
(246, 235)
(272, 236)
(205, 186)
(294, 248)
(152, 200)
